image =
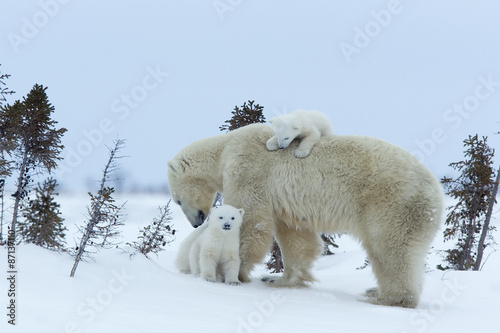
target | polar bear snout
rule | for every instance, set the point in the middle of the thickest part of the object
(226, 226)
(284, 143)
(200, 218)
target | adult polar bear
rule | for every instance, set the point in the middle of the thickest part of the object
(371, 189)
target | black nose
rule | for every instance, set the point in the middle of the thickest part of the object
(201, 217)
(226, 226)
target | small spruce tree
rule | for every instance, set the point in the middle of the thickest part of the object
(486, 226)
(328, 241)
(6, 145)
(473, 190)
(111, 218)
(246, 114)
(43, 225)
(275, 262)
(3, 88)
(155, 236)
(103, 215)
(33, 141)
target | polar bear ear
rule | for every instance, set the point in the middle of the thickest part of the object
(175, 167)
(241, 211)
(295, 125)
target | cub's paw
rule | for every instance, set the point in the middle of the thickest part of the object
(272, 144)
(210, 278)
(301, 153)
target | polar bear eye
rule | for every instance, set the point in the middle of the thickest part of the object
(179, 202)
(286, 138)
(220, 217)
(232, 218)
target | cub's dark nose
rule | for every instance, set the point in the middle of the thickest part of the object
(226, 226)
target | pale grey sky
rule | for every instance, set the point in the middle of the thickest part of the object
(162, 74)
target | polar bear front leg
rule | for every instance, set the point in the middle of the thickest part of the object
(299, 248)
(256, 237)
(272, 143)
(208, 265)
(307, 144)
(231, 268)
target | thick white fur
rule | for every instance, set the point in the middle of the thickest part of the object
(308, 126)
(369, 188)
(212, 250)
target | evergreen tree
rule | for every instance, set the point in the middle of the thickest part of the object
(110, 219)
(3, 88)
(486, 226)
(246, 114)
(473, 191)
(6, 145)
(33, 141)
(2, 191)
(155, 236)
(328, 240)
(103, 215)
(275, 262)
(43, 225)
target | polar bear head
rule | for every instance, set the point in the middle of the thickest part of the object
(286, 128)
(225, 217)
(194, 194)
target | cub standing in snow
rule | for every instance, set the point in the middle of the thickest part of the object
(309, 126)
(213, 249)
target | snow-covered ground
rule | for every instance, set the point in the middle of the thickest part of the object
(120, 292)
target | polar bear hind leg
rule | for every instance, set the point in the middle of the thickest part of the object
(398, 255)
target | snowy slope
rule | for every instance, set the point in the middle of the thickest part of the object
(122, 293)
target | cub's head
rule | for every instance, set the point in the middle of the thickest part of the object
(285, 129)
(192, 193)
(226, 217)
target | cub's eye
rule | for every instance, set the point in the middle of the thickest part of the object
(179, 202)
(232, 218)
(286, 138)
(220, 217)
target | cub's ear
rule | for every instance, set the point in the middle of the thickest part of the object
(241, 211)
(175, 167)
(295, 125)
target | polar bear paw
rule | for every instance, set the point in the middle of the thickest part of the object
(279, 282)
(210, 278)
(272, 144)
(233, 283)
(301, 153)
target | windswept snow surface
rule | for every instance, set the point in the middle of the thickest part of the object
(122, 292)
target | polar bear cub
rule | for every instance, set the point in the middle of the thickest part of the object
(309, 126)
(213, 250)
